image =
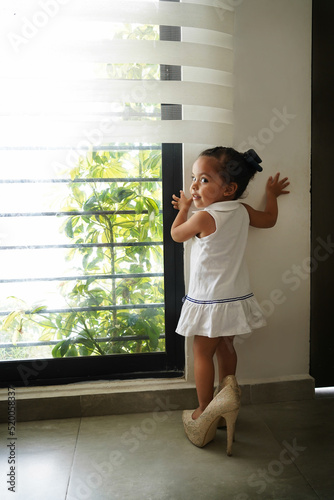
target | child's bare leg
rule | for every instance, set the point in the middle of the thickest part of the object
(204, 349)
(227, 357)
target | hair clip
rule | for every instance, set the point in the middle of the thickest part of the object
(253, 159)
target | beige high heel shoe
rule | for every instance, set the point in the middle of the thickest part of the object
(203, 430)
(228, 380)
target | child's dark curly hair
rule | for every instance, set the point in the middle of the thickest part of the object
(235, 167)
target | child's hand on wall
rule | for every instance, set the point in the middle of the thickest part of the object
(277, 187)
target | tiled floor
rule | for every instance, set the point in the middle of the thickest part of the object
(282, 451)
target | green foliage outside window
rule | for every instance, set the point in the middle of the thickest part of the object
(118, 212)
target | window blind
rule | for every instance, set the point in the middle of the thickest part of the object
(51, 96)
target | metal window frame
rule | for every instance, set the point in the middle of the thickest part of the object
(125, 366)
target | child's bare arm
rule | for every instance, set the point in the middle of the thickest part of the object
(268, 217)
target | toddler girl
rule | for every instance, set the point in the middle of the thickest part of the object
(219, 303)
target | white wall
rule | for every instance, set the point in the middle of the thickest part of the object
(273, 78)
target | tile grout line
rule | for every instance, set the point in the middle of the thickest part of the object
(298, 470)
(72, 464)
(307, 481)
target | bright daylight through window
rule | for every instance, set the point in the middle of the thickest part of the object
(82, 264)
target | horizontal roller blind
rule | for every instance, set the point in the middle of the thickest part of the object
(56, 81)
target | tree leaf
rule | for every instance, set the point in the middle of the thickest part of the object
(48, 335)
(71, 352)
(46, 323)
(123, 193)
(56, 350)
(90, 280)
(38, 309)
(68, 228)
(8, 322)
(64, 347)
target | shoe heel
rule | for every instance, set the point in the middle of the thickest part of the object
(230, 419)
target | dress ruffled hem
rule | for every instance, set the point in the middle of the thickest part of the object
(220, 319)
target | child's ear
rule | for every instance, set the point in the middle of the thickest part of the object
(231, 189)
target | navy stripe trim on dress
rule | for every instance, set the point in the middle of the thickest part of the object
(218, 301)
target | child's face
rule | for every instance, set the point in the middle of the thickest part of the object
(207, 186)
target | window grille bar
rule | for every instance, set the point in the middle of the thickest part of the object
(120, 307)
(84, 277)
(57, 214)
(55, 342)
(82, 148)
(83, 245)
(79, 180)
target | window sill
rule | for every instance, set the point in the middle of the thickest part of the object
(88, 399)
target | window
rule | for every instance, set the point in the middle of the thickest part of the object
(85, 241)
(91, 152)
(93, 268)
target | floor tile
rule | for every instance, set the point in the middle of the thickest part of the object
(44, 456)
(307, 427)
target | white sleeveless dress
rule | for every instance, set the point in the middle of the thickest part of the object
(219, 301)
